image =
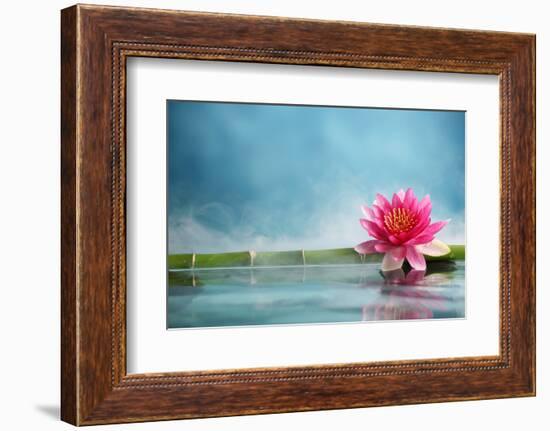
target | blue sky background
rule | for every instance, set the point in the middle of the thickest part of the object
(281, 177)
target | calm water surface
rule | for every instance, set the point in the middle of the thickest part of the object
(313, 294)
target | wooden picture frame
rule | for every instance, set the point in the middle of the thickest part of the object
(95, 43)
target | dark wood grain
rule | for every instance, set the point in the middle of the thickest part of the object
(96, 41)
(69, 367)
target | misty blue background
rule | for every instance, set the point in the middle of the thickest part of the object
(281, 177)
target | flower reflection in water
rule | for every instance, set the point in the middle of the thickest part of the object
(411, 295)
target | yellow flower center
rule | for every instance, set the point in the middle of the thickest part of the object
(399, 220)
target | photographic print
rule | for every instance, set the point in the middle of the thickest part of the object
(294, 214)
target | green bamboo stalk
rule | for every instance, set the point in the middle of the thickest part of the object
(337, 256)
(278, 258)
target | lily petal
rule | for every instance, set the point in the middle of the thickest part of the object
(373, 229)
(414, 205)
(415, 258)
(369, 214)
(421, 239)
(383, 247)
(394, 240)
(434, 248)
(378, 212)
(396, 201)
(419, 228)
(390, 264)
(401, 195)
(382, 202)
(425, 202)
(435, 227)
(366, 247)
(398, 252)
(408, 198)
(424, 213)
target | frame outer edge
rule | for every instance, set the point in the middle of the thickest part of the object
(532, 82)
(523, 216)
(69, 202)
(87, 396)
(531, 63)
(533, 54)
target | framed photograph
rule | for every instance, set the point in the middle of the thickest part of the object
(265, 214)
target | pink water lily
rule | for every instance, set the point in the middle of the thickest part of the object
(402, 229)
